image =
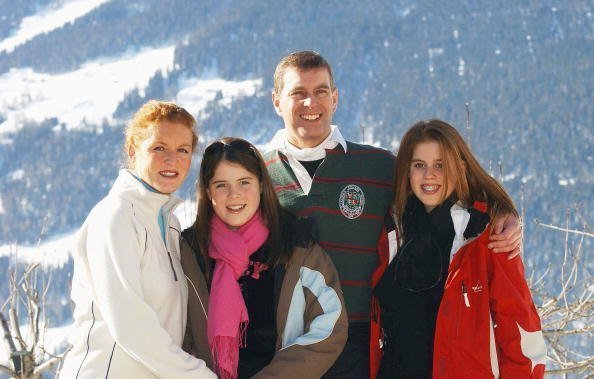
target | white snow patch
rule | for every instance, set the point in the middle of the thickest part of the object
(461, 66)
(526, 178)
(407, 11)
(508, 177)
(91, 93)
(47, 20)
(17, 175)
(433, 53)
(566, 182)
(2, 211)
(53, 253)
(195, 93)
(394, 146)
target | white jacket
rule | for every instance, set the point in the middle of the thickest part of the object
(130, 291)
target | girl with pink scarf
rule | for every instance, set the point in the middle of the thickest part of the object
(275, 306)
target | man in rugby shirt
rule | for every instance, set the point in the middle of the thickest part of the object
(346, 187)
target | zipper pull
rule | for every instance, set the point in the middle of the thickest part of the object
(465, 296)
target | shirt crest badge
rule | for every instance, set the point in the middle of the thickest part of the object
(351, 201)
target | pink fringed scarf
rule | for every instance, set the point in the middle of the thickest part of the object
(227, 313)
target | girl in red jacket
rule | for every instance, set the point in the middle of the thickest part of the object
(449, 307)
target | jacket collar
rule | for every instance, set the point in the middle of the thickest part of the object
(468, 223)
(128, 187)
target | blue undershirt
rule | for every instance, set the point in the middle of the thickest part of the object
(160, 219)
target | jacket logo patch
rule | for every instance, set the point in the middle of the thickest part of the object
(351, 201)
(478, 287)
(258, 268)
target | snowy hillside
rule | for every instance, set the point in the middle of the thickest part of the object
(91, 94)
(48, 19)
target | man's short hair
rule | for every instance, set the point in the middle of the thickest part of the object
(302, 61)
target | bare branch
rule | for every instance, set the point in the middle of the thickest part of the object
(6, 302)
(47, 365)
(11, 348)
(568, 332)
(569, 314)
(468, 124)
(34, 327)
(577, 367)
(52, 361)
(46, 286)
(14, 325)
(573, 231)
(28, 357)
(27, 273)
(546, 272)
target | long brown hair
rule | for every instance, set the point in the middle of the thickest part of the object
(472, 182)
(239, 151)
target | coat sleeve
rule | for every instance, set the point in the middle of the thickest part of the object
(520, 346)
(114, 266)
(195, 341)
(310, 353)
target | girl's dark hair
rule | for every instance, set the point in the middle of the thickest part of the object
(472, 182)
(279, 222)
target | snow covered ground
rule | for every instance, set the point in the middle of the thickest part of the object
(48, 19)
(195, 93)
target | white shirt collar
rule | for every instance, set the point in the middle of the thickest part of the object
(294, 154)
(281, 142)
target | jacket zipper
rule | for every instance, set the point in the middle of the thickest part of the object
(166, 222)
(459, 310)
(171, 263)
(465, 296)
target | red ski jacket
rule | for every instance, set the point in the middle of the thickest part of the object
(487, 324)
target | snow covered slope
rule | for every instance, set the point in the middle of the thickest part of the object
(48, 19)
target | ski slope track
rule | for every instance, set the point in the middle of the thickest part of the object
(47, 20)
(87, 96)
